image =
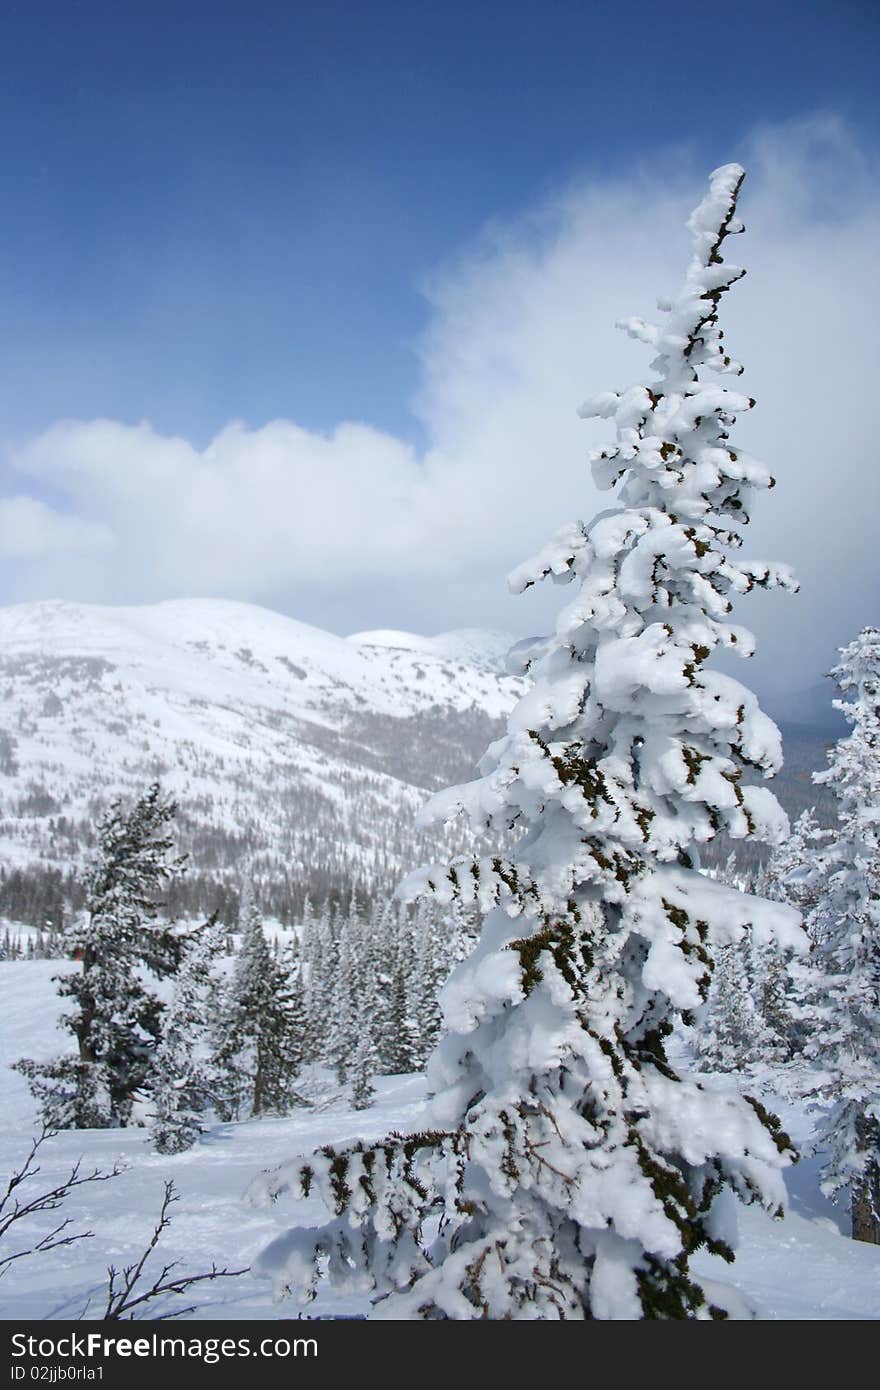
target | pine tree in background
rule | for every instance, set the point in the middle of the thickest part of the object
(843, 994)
(793, 874)
(732, 1033)
(366, 1060)
(116, 1018)
(390, 1025)
(263, 1048)
(568, 1171)
(185, 1082)
(406, 1051)
(320, 961)
(745, 1021)
(443, 935)
(342, 1017)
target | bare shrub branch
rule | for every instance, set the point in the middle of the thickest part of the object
(14, 1209)
(122, 1295)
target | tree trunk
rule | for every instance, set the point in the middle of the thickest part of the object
(866, 1206)
(259, 1084)
(866, 1189)
(86, 1023)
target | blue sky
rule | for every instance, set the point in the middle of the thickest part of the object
(216, 210)
(404, 231)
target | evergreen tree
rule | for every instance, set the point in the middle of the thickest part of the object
(346, 987)
(320, 960)
(568, 1171)
(843, 998)
(793, 874)
(264, 1023)
(732, 1029)
(186, 1079)
(116, 1019)
(366, 1060)
(732, 1033)
(385, 990)
(444, 935)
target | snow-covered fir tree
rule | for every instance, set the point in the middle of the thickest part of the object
(186, 1079)
(263, 1024)
(123, 949)
(793, 874)
(366, 1058)
(385, 952)
(567, 1171)
(731, 1032)
(443, 935)
(340, 1023)
(320, 962)
(744, 1021)
(842, 997)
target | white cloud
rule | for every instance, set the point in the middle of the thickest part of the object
(29, 530)
(357, 529)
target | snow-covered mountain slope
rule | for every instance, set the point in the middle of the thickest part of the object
(305, 752)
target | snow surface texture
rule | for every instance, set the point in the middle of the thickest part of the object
(802, 1267)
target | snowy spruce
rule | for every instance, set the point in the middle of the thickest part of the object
(839, 992)
(125, 949)
(567, 1170)
(263, 1024)
(187, 1081)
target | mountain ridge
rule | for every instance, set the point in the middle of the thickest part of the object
(302, 754)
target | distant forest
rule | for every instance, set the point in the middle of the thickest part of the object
(325, 872)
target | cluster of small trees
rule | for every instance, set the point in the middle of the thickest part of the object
(750, 1016)
(41, 945)
(355, 990)
(40, 896)
(372, 984)
(215, 1045)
